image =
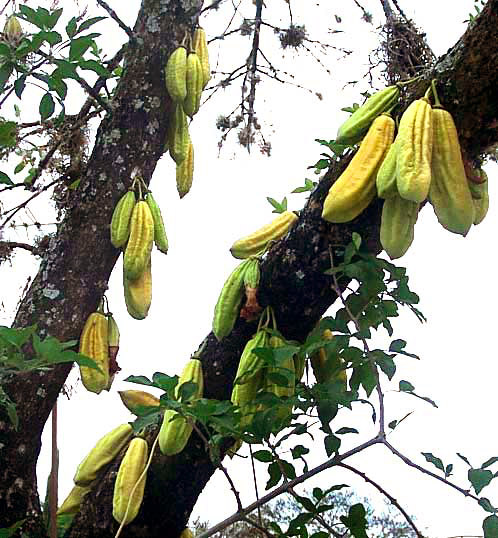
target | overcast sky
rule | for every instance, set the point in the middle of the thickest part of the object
(453, 276)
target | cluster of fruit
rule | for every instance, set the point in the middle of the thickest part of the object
(423, 161)
(131, 477)
(135, 227)
(244, 279)
(187, 72)
(99, 340)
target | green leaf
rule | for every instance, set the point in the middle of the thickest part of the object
(486, 505)
(65, 69)
(299, 451)
(275, 475)
(19, 85)
(479, 478)
(16, 337)
(89, 22)
(490, 527)
(47, 106)
(78, 47)
(5, 72)
(342, 431)
(462, 457)
(5, 179)
(332, 444)
(71, 27)
(164, 382)
(7, 533)
(385, 362)
(434, 460)
(92, 65)
(489, 462)
(263, 455)
(356, 521)
(406, 386)
(8, 131)
(308, 186)
(279, 207)
(4, 50)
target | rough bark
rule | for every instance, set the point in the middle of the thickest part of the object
(68, 288)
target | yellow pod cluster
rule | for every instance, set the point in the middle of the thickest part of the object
(130, 482)
(256, 242)
(414, 151)
(106, 449)
(175, 429)
(449, 190)
(94, 343)
(355, 188)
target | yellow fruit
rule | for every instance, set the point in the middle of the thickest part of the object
(201, 48)
(185, 172)
(138, 293)
(176, 429)
(227, 307)
(194, 85)
(355, 127)
(72, 502)
(355, 188)
(106, 449)
(176, 75)
(256, 242)
(132, 399)
(178, 135)
(94, 344)
(414, 151)
(120, 223)
(160, 238)
(386, 175)
(249, 377)
(449, 191)
(397, 225)
(125, 505)
(139, 246)
(327, 366)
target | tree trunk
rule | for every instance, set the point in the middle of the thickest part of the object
(67, 288)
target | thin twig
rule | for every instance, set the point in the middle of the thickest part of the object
(386, 494)
(13, 244)
(114, 16)
(430, 473)
(26, 202)
(284, 488)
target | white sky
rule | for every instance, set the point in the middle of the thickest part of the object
(452, 275)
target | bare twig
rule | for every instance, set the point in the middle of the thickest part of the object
(26, 202)
(386, 494)
(427, 472)
(114, 16)
(13, 244)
